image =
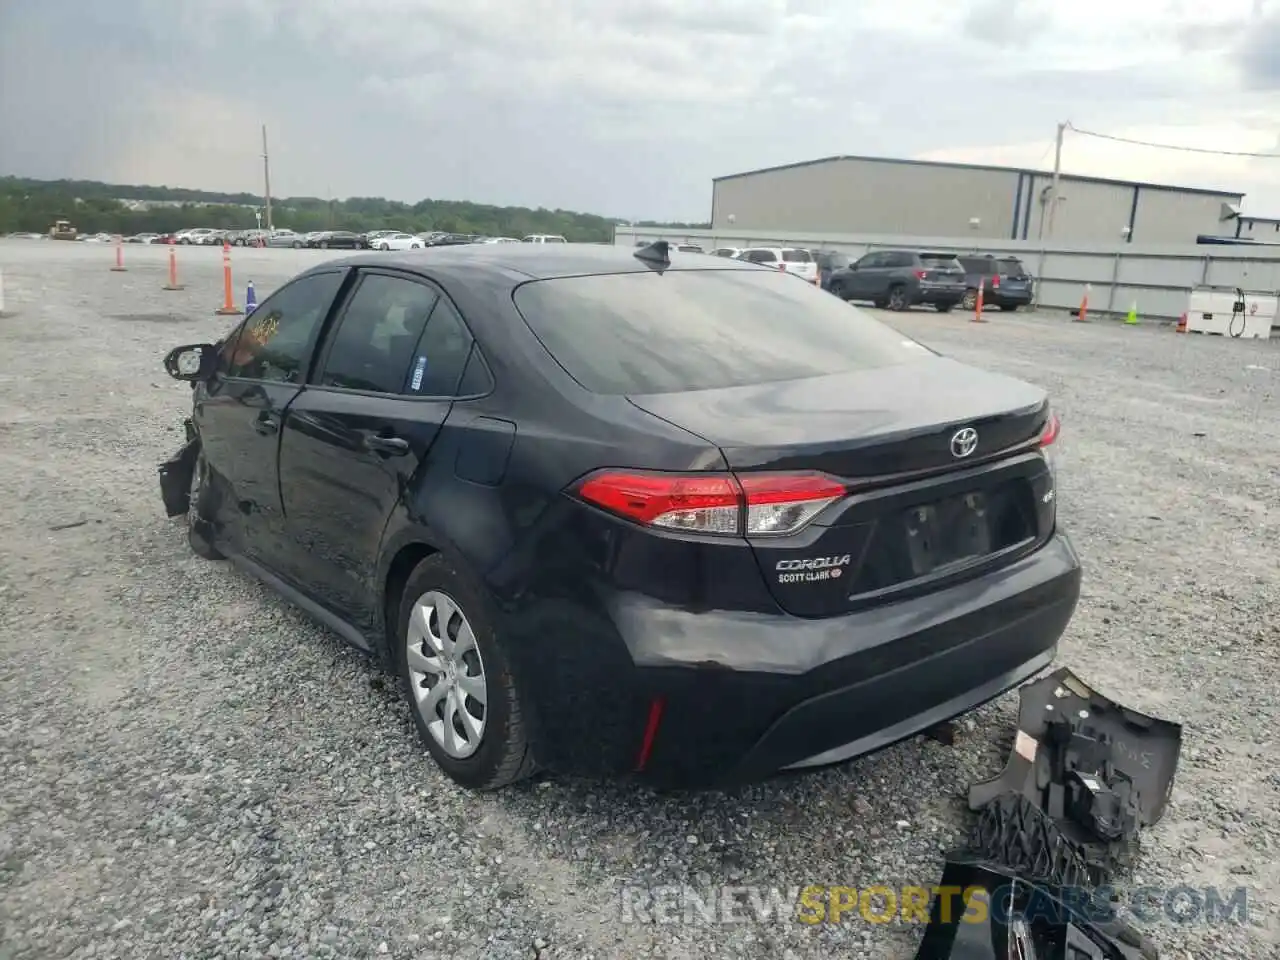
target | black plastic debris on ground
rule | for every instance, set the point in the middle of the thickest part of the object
(1086, 774)
(1099, 770)
(1002, 916)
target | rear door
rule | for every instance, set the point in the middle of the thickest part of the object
(239, 414)
(362, 429)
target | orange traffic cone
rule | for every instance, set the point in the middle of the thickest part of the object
(1082, 315)
(977, 306)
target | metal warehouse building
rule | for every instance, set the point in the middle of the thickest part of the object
(876, 196)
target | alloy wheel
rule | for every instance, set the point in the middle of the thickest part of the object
(446, 674)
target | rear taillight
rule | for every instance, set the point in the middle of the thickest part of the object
(782, 267)
(921, 274)
(1052, 428)
(995, 280)
(720, 504)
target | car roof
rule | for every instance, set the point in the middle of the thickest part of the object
(521, 262)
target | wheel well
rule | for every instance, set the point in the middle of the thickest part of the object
(402, 566)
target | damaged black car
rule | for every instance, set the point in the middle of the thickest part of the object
(630, 512)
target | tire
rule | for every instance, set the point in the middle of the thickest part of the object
(500, 754)
(324, 244)
(199, 543)
(297, 245)
(970, 301)
(944, 307)
(384, 247)
(898, 301)
(837, 290)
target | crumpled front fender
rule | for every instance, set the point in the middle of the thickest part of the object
(175, 474)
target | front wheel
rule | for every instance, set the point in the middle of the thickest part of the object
(384, 246)
(297, 245)
(837, 289)
(457, 680)
(324, 244)
(197, 497)
(898, 298)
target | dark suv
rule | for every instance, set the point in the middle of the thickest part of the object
(899, 279)
(1007, 283)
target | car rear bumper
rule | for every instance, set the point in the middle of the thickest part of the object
(937, 293)
(1008, 298)
(722, 697)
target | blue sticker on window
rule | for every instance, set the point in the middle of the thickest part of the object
(419, 369)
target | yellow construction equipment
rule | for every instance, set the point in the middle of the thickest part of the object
(63, 230)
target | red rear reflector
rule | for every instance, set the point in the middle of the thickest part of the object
(921, 274)
(995, 280)
(650, 732)
(751, 504)
(1051, 430)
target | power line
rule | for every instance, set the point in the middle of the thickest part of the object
(1169, 146)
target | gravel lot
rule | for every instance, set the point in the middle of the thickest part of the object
(193, 769)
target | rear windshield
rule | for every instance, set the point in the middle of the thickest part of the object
(797, 256)
(1012, 267)
(940, 260)
(759, 256)
(637, 333)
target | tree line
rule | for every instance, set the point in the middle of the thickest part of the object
(92, 207)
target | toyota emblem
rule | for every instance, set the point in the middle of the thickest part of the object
(964, 442)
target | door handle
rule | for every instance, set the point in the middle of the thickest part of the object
(392, 446)
(266, 424)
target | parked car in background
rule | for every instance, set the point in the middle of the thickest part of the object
(200, 236)
(451, 239)
(96, 238)
(337, 239)
(499, 240)
(729, 252)
(397, 241)
(900, 279)
(250, 238)
(791, 259)
(544, 238)
(829, 261)
(664, 602)
(1006, 283)
(284, 237)
(142, 238)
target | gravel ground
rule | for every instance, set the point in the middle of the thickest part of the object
(193, 769)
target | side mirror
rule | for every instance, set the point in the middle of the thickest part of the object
(196, 361)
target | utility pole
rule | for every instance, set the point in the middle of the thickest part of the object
(1047, 211)
(266, 175)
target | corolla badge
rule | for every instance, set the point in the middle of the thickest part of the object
(964, 442)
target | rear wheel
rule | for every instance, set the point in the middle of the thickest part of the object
(457, 680)
(324, 244)
(297, 245)
(898, 298)
(970, 300)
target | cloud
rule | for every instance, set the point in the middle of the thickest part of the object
(618, 106)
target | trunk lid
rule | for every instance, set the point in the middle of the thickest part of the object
(917, 514)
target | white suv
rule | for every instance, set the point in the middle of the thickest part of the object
(543, 238)
(791, 259)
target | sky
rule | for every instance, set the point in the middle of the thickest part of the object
(628, 108)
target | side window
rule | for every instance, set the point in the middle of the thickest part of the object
(276, 337)
(901, 260)
(871, 260)
(227, 348)
(373, 345)
(441, 355)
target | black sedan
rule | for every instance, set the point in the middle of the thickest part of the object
(337, 240)
(612, 511)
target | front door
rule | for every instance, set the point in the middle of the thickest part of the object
(242, 411)
(361, 431)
